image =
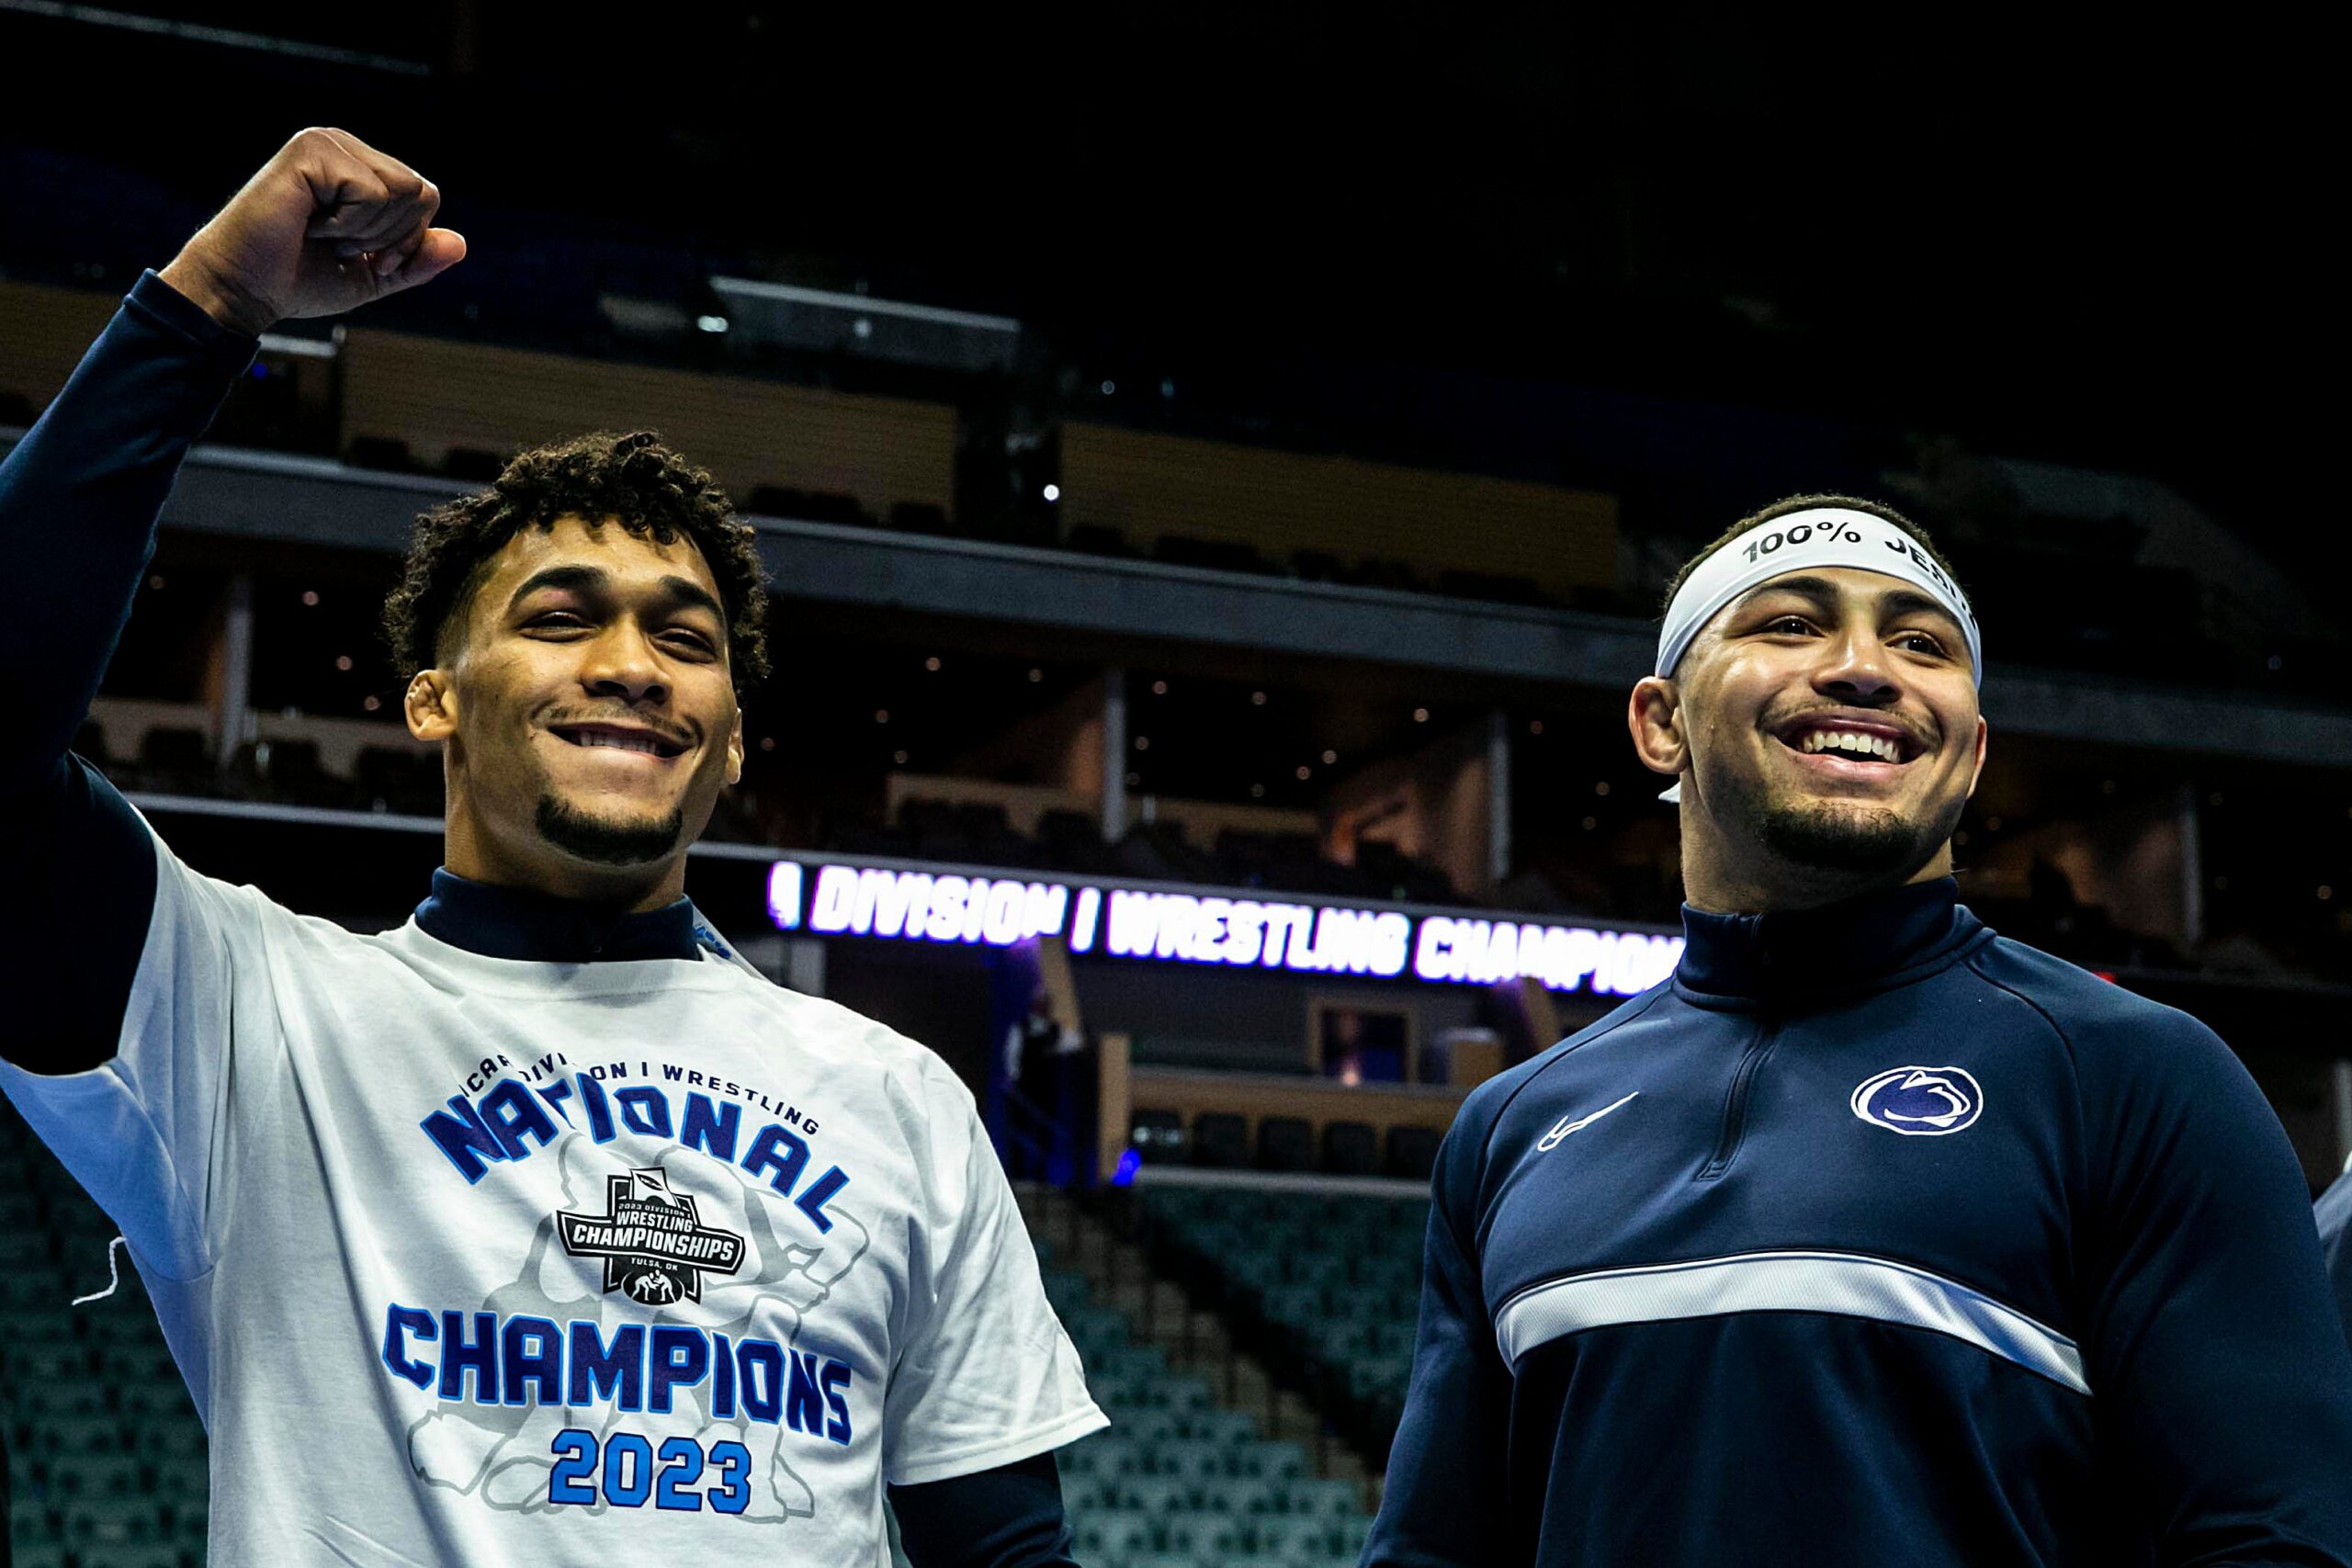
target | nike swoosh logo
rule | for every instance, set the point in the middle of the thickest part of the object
(1562, 1127)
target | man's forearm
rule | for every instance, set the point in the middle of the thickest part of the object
(79, 497)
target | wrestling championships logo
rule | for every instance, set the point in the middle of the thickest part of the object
(655, 1246)
(1919, 1102)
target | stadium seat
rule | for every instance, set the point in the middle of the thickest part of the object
(1109, 1537)
(1285, 1143)
(1412, 1152)
(1349, 1149)
(1220, 1140)
(174, 759)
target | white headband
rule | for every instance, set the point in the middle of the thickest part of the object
(1825, 537)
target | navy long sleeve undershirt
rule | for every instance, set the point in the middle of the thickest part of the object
(79, 500)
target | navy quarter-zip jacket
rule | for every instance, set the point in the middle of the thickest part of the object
(1871, 1237)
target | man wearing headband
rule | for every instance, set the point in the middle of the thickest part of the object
(1868, 1236)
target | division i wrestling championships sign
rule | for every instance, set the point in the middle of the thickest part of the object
(940, 904)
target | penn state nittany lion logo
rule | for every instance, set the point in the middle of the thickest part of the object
(1919, 1102)
(654, 1245)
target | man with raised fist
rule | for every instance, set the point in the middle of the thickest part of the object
(542, 1229)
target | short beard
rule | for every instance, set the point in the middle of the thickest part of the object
(606, 842)
(1869, 843)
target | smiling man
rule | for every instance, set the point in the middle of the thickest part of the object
(1868, 1236)
(541, 1229)
(582, 676)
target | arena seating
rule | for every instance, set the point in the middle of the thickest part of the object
(1177, 1482)
(106, 1457)
(1327, 1284)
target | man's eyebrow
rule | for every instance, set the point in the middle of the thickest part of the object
(1821, 591)
(581, 579)
(584, 579)
(686, 590)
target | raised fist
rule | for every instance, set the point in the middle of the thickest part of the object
(327, 224)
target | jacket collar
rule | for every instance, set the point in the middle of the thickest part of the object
(1863, 943)
(539, 927)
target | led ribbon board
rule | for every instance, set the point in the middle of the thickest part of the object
(830, 899)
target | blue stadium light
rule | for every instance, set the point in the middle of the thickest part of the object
(1124, 1174)
(712, 323)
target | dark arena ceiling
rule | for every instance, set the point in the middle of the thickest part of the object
(2098, 243)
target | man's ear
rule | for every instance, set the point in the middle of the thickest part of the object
(1654, 715)
(430, 705)
(735, 750)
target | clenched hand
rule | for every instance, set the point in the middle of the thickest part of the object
(328, 224)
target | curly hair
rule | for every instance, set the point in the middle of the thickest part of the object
(633, 478)
(1805, 504)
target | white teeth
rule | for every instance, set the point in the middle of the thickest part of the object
(1850, 741)
(644, 743)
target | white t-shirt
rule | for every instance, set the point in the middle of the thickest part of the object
(476, 1261)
